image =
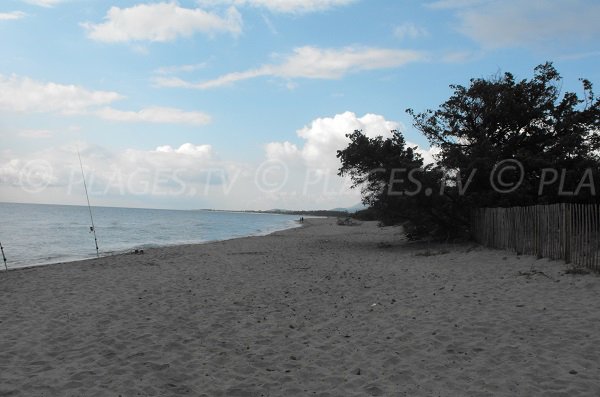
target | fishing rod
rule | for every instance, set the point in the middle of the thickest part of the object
(3, 256)
(92, 228)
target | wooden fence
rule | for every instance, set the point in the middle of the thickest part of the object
(559, 231)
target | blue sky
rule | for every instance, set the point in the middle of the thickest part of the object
(242, 104)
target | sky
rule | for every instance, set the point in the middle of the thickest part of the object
(243, 104)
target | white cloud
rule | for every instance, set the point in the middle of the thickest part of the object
(515, 23)
(312, 63)
(161, 22)
(323, 137)
(230, 78)
(183, 176)
(188, 148)
(103, 165)
(189, 161)
(27, 174)
(35, 134)
(313, 165)
(284, 6)
(409, 30)
(451, 4)
(180, 68)
(155, 115)
(22, 94)
(192, 175)
(428, 155)
(43, 3)
(8, 16)
(282, 150)
(10, 171)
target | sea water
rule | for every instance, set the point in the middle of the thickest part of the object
(35, 234)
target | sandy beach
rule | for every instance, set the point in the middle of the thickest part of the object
(322, 310)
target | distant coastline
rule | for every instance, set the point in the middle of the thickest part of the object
(323, 213)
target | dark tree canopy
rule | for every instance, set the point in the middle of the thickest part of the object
(554, 139)
(528, 121)
(382, 169)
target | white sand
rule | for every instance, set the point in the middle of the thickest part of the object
(319, 311)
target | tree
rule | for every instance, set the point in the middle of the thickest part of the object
(398, 186)
(502, 143)
(526, 122)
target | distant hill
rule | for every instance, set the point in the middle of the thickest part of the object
(333, 213)
(353, 209)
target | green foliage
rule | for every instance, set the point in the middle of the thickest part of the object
(497, 119)
(368, 214)
(478, 127)
(382, 169)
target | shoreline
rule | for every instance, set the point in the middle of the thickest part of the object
(145, 248)
(324, 310)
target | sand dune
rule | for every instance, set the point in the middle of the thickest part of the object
(323, 310)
